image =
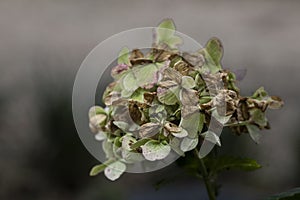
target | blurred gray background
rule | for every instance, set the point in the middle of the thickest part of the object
(42, 44)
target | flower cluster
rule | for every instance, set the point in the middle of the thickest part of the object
(163, 100)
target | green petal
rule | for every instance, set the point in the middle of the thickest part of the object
(114, 170)
(168, 96)
(188, 144)
(191, 123)
(121, 125)
(129, 82)
(212, 137)
(100, 136)
(222, 119)
(183, 133)
(214, 50)
(174, 41)
(95, 110)
(175, 145)
(157, 113)
(165, 35)
(188, 97)
(187, 82)
(123, 57)
(138, 95)
(254, 133)
(258, 117)
(108, 149)
(154, 150)
(127, 154)
(165, 30)
(146, 75)
(99, 168)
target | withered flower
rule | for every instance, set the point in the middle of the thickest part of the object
(164, 100)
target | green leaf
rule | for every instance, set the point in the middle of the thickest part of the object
(212, 137)
(220, 163)
(293, 194)
(254, 133)
(188, 144)
(114, 170)
(123, 57)
(188, 82)
(99, 168)
(154, 150)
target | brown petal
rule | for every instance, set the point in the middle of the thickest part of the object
(172, 127)
(149, 129)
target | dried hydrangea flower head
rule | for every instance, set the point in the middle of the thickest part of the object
(163, 100)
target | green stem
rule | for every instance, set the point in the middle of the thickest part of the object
(209, 188)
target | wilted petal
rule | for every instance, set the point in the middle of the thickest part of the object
(114, 170)
(173, 128)
(188, 97)
(275, 102)
(149, 129)
(168, 96)
(188, 144)
(188, 82)
(212, 137)
(171, 74)
(183, 133)
(168, 84)
(119, 69)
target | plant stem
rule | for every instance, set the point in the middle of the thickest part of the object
(209, 188)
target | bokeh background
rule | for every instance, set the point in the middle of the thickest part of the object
(42, 44)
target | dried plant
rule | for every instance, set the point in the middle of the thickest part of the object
(163, 100)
